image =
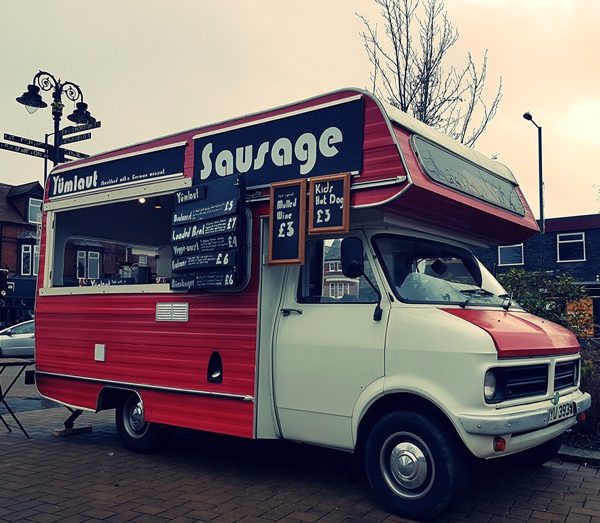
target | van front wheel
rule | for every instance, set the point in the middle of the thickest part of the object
(414, 466)
(135, 432)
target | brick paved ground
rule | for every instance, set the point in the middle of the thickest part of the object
(91, 477)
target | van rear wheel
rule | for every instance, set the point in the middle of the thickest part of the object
(415, 467)
(135, 432)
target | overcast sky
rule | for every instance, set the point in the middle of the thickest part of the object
(150, 68)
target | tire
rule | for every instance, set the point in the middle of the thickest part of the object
(135, 432)
(539, 454)
(415, 466)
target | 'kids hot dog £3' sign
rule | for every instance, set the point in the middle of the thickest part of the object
(311, 142)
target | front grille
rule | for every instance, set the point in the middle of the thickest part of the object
(566, 375)
(528, 380)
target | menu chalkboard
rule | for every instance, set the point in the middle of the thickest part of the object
(329, 204)
(287, 222)
(208, 236)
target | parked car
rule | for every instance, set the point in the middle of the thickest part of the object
(18, 340)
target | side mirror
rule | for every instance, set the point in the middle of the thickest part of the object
(352, 257)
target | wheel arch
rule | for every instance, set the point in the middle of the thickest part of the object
(110, 397)
(407, 401)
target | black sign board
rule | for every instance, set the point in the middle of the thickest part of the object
(23, 150)
(75, 154)
(138, 168)
(287, 222)
(24, 141)
(77, 138)
(78, 128)
(310, 142)
(208, 236)
(329, 204)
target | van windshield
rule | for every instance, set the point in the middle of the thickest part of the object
(424, 271)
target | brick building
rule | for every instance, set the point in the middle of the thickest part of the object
(20, 215)
(571, 245)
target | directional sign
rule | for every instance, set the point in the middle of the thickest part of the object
(23, 150)
(72, 139)
(75, 154)
(24, 141)
(78, 128)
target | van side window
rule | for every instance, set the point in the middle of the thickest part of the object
(322, 281)
(114, 243)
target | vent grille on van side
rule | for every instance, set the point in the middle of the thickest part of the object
(179, 312)
(566, 374)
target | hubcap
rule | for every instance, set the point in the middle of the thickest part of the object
(407, 465)
(133, 417)
(136, 418)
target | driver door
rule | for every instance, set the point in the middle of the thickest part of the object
(328, 349)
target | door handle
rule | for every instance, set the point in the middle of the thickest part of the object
(287, 312)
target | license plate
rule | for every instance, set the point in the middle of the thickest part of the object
(561, 411)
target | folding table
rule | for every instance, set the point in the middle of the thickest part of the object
(21, 365)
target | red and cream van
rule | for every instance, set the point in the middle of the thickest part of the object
(303, 273)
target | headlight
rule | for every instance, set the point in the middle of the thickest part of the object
(489, 385)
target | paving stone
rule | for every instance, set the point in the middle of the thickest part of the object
(91, 478)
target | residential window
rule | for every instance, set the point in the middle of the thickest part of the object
(81, 263)
(510, 255)
(34, 214)
(30, 259)
(88, 264)
(93, 265)
(570, 247)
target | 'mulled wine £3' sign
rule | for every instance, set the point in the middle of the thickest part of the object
(208, 236)
(287, 222)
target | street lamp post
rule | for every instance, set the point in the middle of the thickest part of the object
(528, 116)
(32, 101)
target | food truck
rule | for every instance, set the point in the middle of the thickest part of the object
(304, 273)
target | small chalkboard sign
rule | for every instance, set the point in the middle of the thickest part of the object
(287, 222)
(329, 204)
(208, 236)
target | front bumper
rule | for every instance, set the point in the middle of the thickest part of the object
(519, 422)
(521, 429)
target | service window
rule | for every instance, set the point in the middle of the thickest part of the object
(322, 281)
(510, 255)
(570, 247)
(121, 243)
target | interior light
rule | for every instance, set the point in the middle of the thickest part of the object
(142, 200)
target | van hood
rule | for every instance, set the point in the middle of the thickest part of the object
(520, 334)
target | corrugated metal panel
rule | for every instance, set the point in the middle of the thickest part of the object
(140, 349)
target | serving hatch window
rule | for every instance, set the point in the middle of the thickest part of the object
(121, 243)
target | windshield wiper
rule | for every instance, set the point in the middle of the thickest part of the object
(473, 292)
(506, 301)
(477, 292)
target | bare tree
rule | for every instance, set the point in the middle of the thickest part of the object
(408, 69)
